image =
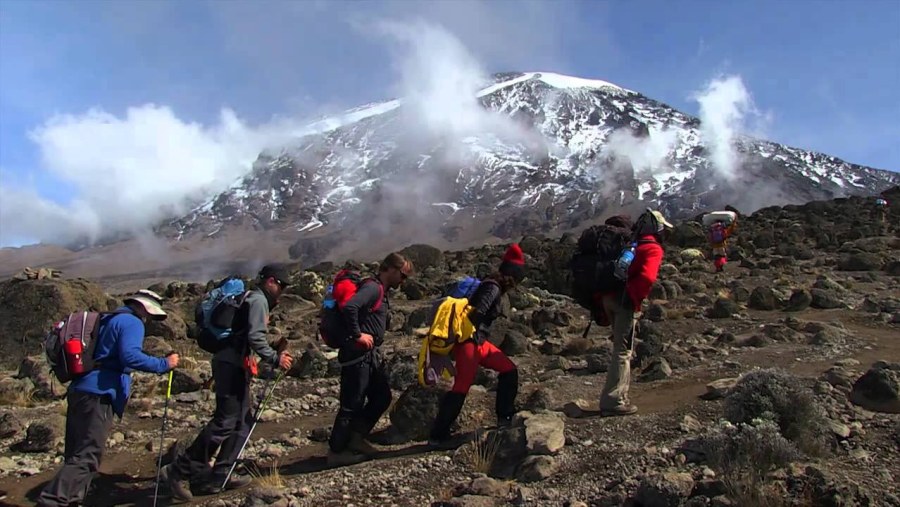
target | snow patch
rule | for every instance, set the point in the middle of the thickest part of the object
(452, 205)
(312, 225)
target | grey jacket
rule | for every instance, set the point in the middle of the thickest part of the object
(249, 329)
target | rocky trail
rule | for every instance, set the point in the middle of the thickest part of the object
(804, 322)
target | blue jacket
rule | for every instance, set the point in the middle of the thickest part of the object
(120, 351)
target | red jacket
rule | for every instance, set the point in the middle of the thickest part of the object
(644, 269)
(641, 276)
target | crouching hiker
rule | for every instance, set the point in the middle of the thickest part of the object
(468, 355)
(362, 316)
(99, 393)
(622, 309)
(232, 369)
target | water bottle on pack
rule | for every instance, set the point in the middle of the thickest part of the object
(620, 269)
(329, 301)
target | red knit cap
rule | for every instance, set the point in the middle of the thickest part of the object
(513, 262)
(514, 255)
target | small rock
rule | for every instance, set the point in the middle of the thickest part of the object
(658, 369)
(724, 308)
(186, 381)
(839, 429)
(574, 409)
(537, 468)
(800, 300)
(690, 424)
(10, 425)
(718, 389)
(544, 433)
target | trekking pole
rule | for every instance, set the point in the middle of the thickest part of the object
(259, 411)
(162, 436)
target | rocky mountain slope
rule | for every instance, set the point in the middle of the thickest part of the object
(812, 291)
(545, 153)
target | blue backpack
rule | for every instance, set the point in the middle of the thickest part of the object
(464, 288)
(214, 313)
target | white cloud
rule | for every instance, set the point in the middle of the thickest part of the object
(726, 111)
(130, 172)
(646, 154)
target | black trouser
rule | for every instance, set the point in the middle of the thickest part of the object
(224, 434)
(89, 418)
(365, 396)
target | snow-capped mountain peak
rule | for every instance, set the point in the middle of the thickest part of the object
(567, 150)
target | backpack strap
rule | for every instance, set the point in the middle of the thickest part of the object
(378, 303)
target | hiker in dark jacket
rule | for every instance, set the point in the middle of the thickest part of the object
(365, 393)
(478, 351)
(232, 369)
(623, 308)
(96, 396)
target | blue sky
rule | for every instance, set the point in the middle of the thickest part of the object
(826, 72)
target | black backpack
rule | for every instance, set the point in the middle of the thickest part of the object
(593, 264)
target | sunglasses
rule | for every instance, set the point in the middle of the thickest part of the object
(281, 284)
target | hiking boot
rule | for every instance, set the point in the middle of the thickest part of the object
(180, 488)
(444, 443)
(618, 410)
(214, 486)
(360, 445)
(345, 458)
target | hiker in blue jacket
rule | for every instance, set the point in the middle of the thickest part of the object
(96, 396)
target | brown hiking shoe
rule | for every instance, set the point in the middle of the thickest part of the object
(360, 445)
(180, 488)
(618, 410)
(339, 459)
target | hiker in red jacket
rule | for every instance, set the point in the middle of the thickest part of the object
(623, 310)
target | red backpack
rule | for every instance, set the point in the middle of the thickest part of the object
(69, 346)
(332, 327)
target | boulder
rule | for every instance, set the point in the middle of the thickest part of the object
(763, 298)
(665, 489)
(658, 369)
(536, 468)
(800, 300)
(29, 308)
(313, 363)
(724, 308)
(878, 389)
(824, 299)
(43, 436)
(423, 256)
(862, 261)
(415, 410)
(36, 369)
(186, 381)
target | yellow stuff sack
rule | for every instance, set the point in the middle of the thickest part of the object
(451, 325)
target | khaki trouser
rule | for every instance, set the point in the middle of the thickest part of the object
(618, 376)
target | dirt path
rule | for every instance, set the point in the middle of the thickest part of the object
(127, 478)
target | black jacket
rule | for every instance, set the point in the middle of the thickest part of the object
(485, 308)
(360, 318)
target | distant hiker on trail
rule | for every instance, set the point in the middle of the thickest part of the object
(719, 225)
(362, 321)
(95, 396)
(881, 206)
(232, 369)
(622, 308)
(478, 351)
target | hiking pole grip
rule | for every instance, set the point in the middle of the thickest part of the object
(162, 436)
